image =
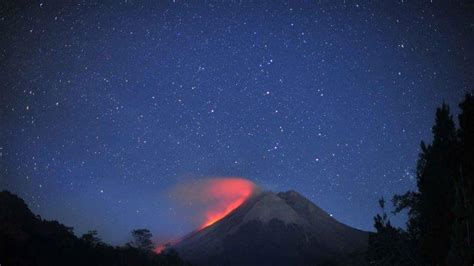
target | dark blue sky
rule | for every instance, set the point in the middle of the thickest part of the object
(106, 106)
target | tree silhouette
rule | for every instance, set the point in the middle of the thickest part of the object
(91, 238)
(389, 245)
(462, 252)
(26, 239)
(441, 213)
(431, 209)
(142, 240)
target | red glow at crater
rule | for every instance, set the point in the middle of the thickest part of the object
(206, 201)
(227, 194)
(159, 249)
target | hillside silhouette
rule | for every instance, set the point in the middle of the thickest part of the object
(26, 239)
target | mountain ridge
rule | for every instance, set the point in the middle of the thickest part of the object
(268, 223)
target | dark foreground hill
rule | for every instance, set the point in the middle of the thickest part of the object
(26, 239)
(274, 229)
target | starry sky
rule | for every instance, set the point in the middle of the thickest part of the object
(106, 105)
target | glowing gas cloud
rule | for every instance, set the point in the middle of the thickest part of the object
(212, 199)
(228, 193)
(201, 203)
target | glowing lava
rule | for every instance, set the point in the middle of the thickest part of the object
(159, 249)
(227, 194)
(206, 201)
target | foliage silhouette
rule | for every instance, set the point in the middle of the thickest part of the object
(26, 239)
(142, 240)
(440, 214)
(389, 245)
(462, 251)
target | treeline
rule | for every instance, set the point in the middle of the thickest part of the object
(26, 239)
(440, 227)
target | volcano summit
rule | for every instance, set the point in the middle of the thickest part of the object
(273, 229)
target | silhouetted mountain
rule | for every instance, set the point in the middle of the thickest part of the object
(273, 229)
(26, 239)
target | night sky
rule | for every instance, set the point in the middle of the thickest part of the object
(105, 107)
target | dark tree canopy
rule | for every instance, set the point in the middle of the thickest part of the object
(463, 229)
(436, 171)
(389, 245)
(142, 239)
(440, 214)
(91, 238)
(26, 239)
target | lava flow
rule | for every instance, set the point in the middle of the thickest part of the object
(210, 200)
(227, 194)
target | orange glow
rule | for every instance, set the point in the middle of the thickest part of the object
(227, 194)
(159, 249)
(206, 201)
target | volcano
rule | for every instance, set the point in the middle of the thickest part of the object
(273, 229)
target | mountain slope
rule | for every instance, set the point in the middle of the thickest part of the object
(273, 229)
